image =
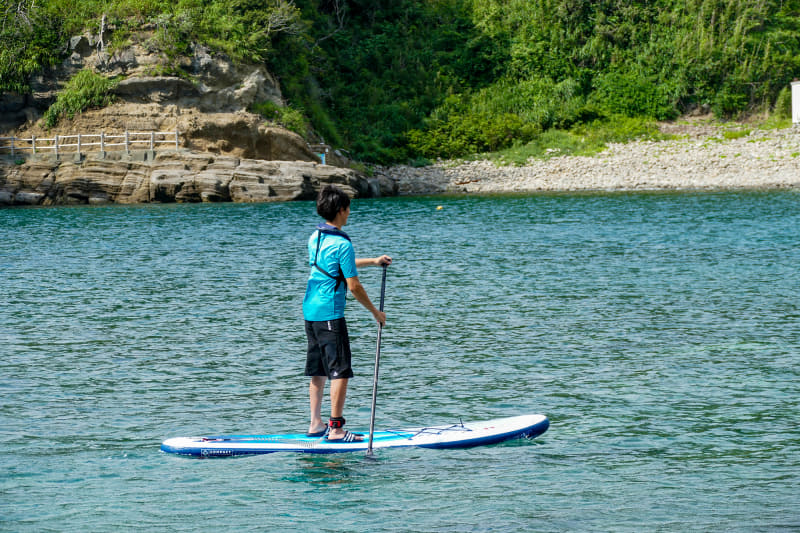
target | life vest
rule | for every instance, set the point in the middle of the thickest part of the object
(329, 230)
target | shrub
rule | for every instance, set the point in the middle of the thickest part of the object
(729, 103)
(464, 134)
(29, 40)
(539, 101)
(85, 90)
(783, 104)
(620, 129)
(735, 134)
(290, 118)
(633, 94)
(418, 162)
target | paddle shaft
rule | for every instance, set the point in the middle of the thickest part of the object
(377, 366)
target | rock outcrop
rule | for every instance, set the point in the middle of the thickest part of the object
(207, 102)
(208, 82)
(175, 176)
(225, 152)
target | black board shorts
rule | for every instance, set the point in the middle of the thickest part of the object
(328, 349)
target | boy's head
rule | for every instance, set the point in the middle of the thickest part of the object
(330, 201)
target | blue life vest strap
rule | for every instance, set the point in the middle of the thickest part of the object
(329, 230)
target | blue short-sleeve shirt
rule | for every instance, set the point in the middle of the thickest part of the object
(323, 301)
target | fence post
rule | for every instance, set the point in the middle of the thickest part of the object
(56, 145)
(33, 143)
(12, 146)
(152, 139)
(79, 146)
(127, 142)
(176, 138)
(103, 142)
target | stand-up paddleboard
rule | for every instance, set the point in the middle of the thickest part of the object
(461, 435)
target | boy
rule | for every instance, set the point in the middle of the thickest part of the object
(333, 272)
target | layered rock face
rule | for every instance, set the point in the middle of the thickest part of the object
(225, 152)
(209, 83)
(209, 110)
(175, 176)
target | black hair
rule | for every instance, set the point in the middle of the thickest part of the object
(330, 201)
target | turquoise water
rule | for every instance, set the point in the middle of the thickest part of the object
(659, 332)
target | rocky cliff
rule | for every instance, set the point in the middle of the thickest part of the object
(226, 153)
(175, 176)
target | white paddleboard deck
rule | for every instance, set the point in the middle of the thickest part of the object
(461, 435)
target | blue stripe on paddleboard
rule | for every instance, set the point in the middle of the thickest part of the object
(298, 437)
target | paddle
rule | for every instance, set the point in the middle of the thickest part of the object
(377, 365)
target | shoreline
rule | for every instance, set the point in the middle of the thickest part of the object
(700, 160)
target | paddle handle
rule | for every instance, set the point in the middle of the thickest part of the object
(377, 366)
(383, 288)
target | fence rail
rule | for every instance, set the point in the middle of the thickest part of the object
(94, 142)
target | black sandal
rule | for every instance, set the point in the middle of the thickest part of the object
(320, 433)
(337, 423)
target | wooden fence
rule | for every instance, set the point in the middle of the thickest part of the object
(84, 143)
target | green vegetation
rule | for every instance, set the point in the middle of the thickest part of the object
(85, 90)
(288, 117)
(30, 39)
(409, 81)
(783, 104)
(583, 139)
(33, 32)
(774, 122)
(735, 134)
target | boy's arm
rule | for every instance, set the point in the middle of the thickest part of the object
(374, 261)
(360, 294)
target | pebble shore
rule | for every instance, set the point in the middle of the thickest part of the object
(699, 160)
